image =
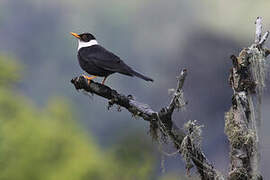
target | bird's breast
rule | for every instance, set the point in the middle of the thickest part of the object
(90, 67)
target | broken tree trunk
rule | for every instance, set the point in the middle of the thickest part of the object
(243, 119)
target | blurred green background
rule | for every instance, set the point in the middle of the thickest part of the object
(48, 130)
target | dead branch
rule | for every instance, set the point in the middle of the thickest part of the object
(161, 124)
(258, 32)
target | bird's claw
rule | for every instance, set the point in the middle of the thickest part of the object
(89, 78)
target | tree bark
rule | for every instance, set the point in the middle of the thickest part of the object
(161, 124)
(243, 119)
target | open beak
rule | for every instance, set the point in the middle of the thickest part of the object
(75, 34)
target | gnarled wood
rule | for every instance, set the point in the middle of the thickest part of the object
(160, 121)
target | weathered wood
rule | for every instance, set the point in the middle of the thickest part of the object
(241, 121)
(161, 123)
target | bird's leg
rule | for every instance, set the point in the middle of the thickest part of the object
(89, 78)
(104, 80)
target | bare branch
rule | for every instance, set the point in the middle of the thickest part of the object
(264, 38)
(176, 100)
(160, 121)
(258, 33)
(136, 108)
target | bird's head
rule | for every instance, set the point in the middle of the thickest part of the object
(85, 39)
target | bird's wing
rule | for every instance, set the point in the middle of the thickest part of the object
(106, 60)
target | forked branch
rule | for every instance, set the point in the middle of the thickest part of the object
(161, 124)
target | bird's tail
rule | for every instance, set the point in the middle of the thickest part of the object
(141, 76)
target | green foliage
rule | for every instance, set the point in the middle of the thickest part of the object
(48, 144)
(10, 70)
(134, 156)
(45, 144)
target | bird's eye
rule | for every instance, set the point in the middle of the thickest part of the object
(84, 38)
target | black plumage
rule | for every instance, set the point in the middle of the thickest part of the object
(98, 61)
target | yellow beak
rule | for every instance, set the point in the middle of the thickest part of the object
(75, 34)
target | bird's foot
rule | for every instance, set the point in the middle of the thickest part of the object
(103, 82)
(89, 78)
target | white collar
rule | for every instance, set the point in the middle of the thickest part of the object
(86, 44)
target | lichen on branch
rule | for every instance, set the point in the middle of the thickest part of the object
(162, 127)
(247, 79)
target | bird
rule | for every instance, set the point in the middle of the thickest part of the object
(98, 61)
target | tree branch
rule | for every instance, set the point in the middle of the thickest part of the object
(258, 32)
(161, 124)
(177, 100)
(264, 38)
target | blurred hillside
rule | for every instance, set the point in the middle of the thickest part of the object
(48, 143)
(155, 37)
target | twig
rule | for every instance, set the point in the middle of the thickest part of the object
(178, 92)
(264, 38)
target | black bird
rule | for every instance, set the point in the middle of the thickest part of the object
(97, 61)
